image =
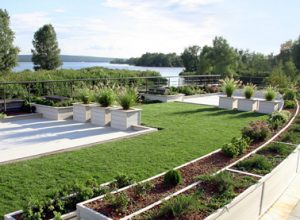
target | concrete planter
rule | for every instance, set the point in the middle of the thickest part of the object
(164, 98)
(68, 216)
(54, 113)
(125, 119)
(228, 102)
(247, 105)
(101, 116)
(267, 107)
(256, 200)
(82, 112)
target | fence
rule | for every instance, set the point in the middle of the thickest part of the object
(13, 93)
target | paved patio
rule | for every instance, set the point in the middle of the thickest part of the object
(38, 136)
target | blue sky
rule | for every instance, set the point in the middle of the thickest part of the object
(126, 28)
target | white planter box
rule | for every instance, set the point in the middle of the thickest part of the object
(256, 200)
(267, 107)
(124, 119)
(101, 116)
(55, 113)
(227, 102)
(82, 112)
(164, 98)
(68, 216)
(247, 105)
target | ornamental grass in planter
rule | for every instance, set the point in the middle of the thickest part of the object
(82, 110)
(127, 116)
(229, 85)
(269, 105)
(248, 104)
(101, 115)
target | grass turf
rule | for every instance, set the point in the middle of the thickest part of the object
(188, 131)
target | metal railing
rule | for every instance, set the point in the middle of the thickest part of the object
(18, 90)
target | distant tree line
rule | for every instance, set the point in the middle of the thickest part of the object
(153, 59)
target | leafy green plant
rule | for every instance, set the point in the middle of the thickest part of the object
(33, 210)
(290, 95)
(290, 104)
(278, 118)
(127, 98)
(118, 201)
(177, 207)
(249, 90)
(236, 147)
(106, 97)
(223, 182)
(270, 94)
(256, 163)
(123, 180)
(142, 188)
(229, 85)
(172, 178)
(256, 131)
(289, 137)
(276, 148)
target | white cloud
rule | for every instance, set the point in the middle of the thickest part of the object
(59, 10)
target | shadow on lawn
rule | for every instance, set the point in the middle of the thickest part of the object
(214, 111)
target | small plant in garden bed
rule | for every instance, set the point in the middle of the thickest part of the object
(290, 104)
(211, 194)
(86, 96)
(236, 147)
(277, 150)
(257, 131)
(2, 115)
(42, 101)
(118, 201)
(278, 118)
(290, 95)
(123, 180)
(141, 189)
(172, 178)
(61, 201)
(256, 164)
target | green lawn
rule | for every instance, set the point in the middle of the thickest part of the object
(187, 132)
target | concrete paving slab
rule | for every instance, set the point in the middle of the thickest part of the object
(38, 136)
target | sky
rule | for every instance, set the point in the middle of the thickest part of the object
(129, 28)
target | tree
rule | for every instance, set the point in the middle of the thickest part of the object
(296, 53)
(190, 58)
(46, 53)
(8, 52)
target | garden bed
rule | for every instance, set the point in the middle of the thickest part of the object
(101, 208)
(163, 98)
(55, 113)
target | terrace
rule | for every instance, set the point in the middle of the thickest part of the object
(186, 135)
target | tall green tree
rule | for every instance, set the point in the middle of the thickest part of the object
(8, 52)
(45, 54)
(190, 58)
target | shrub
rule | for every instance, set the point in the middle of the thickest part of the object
(172, 178)
(123, 180)
(249, 90)
(289, 137)
(278, 118)
(289, 104)
(223, 182)
(229, 85)
(118, 201)
(256, 163)
(277, 148)
(236, 147)
(289, 95)
(295, 128)
(177, 207)
(106, 97)
(256, 131)
(230, 150)
(127, 98)
(142, 188)
(270, 94)
(187, 90)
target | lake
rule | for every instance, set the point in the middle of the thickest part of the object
(164, 71)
